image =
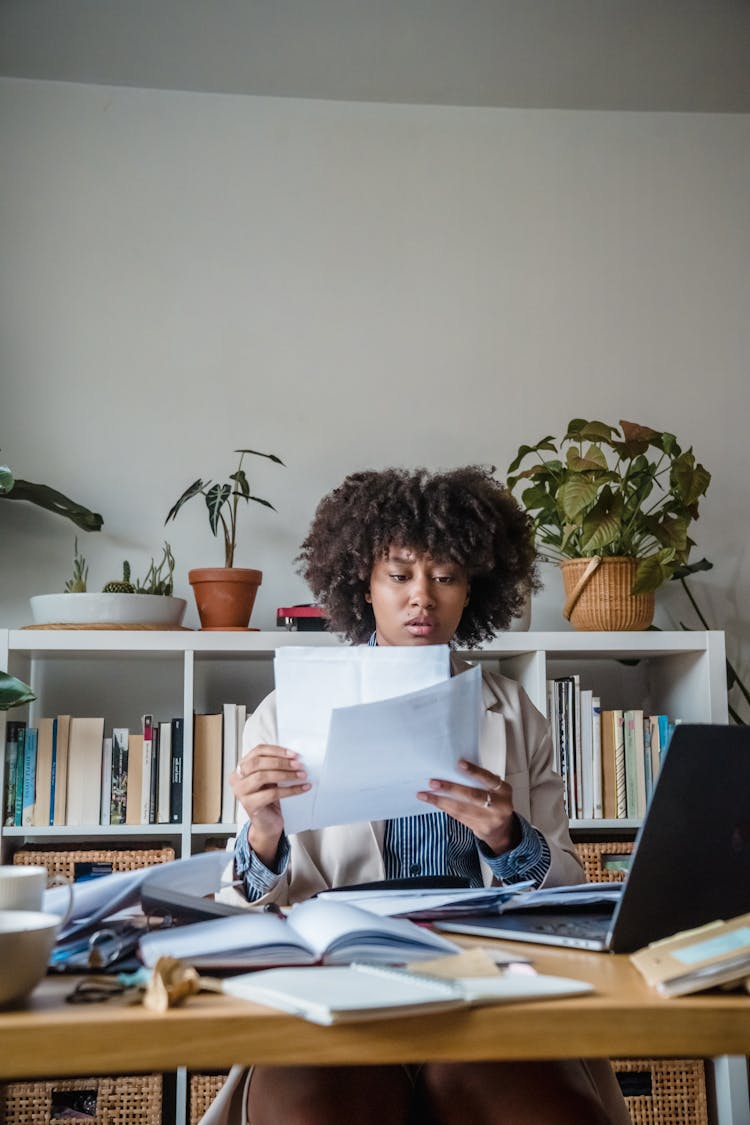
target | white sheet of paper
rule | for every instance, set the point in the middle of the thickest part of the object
(380, 754)
(311, 682)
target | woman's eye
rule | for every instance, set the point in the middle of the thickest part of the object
(398, 577)
(444, 578)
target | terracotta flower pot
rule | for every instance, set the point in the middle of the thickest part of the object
(224, 595)
(598, 595)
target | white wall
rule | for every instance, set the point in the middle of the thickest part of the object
(353, 285)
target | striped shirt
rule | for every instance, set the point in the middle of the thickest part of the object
(430, 844)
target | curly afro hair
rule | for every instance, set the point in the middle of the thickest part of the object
(463, 516)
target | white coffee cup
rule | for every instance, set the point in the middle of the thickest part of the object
(22, 887)
(26, 941)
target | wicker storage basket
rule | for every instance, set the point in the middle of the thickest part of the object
(203, 1090)
(593, 858)
(664, 1091)
(63, 862)
(598, 595)
(128, 1100)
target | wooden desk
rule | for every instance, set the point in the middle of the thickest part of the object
(622, 1018)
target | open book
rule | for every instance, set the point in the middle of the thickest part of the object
(337, 994)
(314, 931)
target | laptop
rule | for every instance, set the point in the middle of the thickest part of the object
(690, 865)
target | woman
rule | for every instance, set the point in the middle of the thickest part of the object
(412, 558)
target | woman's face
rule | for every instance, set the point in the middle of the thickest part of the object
(416, 600)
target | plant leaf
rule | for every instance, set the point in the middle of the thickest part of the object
(265, 503)
(196, 487)
(240, 480)
(546, 443)
(13, 692)
(575, 495)
(602, 524)
(651, 572)
(593, 460)
(255, 453)
(216, 498)
(686, 569)
(594, 431)
(45, 497)
(633, 432)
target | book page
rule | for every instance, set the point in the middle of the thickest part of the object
(341, 932)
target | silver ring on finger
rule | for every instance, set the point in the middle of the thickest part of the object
(488, 801)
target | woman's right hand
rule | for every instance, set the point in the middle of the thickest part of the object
(264, 776)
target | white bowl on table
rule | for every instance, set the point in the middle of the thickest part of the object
(27, 938)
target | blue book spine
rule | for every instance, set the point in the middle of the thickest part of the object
(664, 734)
(18, 804)
(29, 776)
(53, 774)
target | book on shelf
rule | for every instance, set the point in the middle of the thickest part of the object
(45, 746)
(20, 768)
(336, 994)
(84, 770)
(313, 932)
(12, 728)
(119, 787)
(147, 746)
(230, 749)
(596, 755)
(207, 773)
(586, 752)
(176, 765)
(105, 792)
(164, 773)
(59, 791)
(135, 779)
(29, 776)
(635, 780)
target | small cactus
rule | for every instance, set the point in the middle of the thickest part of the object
(120, 585)
(77, 584)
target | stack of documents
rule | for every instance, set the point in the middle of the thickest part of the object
(372, 726)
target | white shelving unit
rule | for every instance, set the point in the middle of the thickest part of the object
(121, 674)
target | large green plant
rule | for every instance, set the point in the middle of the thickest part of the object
(222, 501)
(602, 490)
(45, 497)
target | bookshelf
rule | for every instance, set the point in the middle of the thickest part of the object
(122, 674)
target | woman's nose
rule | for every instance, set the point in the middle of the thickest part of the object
(421, 594)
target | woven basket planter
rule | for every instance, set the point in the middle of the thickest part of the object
(598, 595)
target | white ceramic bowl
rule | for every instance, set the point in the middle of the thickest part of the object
(115, 609)
(26, 941)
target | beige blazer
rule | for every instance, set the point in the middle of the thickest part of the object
(514, 742)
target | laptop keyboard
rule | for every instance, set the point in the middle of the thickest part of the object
(573, 927)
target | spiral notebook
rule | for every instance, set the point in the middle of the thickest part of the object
(332, 994)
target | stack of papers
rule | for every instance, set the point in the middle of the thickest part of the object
(428, 905)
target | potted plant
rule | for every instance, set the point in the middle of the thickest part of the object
(612, 506)
(125, 602)
(225, 595)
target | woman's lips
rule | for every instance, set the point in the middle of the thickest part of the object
(419, 628)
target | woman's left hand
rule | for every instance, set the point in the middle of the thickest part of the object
(486, 806)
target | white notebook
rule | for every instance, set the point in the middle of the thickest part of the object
(346, 994)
